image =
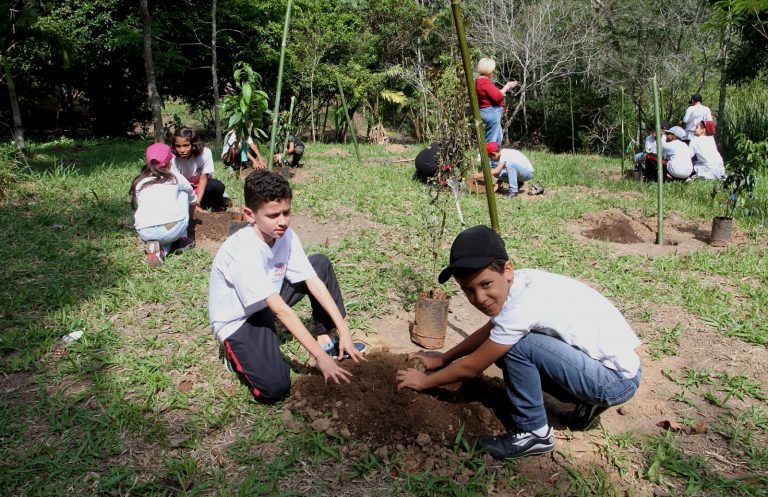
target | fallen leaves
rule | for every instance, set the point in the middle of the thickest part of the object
(698, 429)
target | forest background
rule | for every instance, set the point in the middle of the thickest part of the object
(77, 67)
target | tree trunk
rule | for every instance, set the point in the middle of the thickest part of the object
(215, 75)
(149, 66)
(18, 129)
(723, 85)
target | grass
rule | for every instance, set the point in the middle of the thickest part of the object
(107, 415)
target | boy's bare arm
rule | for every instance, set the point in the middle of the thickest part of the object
(201, 191)
(318, 290)
(256, 157)
(469, 344)
(466, 367)
(499, 168)
(293, 324)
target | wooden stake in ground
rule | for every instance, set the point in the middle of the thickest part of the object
(659, 168)
(349, 120)
(276, 111)
(479, 128)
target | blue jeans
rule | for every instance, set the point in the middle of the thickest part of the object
(540, 363)
(514, 174)
(165, 235)
(491, 117)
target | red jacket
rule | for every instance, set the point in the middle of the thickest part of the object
(487, 93)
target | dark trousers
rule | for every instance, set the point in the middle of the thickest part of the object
(254, 348)
(213, 198)
(298, 151)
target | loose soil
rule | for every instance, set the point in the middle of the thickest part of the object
(370, 409)
(632, 234)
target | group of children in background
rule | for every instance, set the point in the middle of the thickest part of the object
(178, 181)
(686, 153)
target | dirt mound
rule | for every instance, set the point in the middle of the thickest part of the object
(371, 410)
(213, 226)
(633, 234)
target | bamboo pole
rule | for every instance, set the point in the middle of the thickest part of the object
(479, 128)
(283, 160)
(573, 126)
(659, 168)
(623, 151)
(276, 111)
(349, 120)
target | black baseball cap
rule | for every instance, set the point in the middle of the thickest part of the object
(696, 97)
(474, 248)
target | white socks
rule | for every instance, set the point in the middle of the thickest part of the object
(541, 432)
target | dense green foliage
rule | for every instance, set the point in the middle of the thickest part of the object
(83, 70)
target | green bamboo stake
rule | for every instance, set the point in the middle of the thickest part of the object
(283, 161)
(623, 150)
(276, 111)
(659, 169)
(479, 128)
(349, 120)
(573, 126)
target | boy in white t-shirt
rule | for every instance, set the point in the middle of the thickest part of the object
(257, 275)
(695, 113)
(547, 333)
(510, 166)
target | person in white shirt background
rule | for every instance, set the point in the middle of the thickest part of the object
(694, 114)
(677, 154)
(709, 162)
(160, 198)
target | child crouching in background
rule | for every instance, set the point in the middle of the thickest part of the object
(161, 198)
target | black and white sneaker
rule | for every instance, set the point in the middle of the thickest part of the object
(584, 417)
(512, 445)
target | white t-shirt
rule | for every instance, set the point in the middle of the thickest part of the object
(512, 156)
(710, 162)
(650, 143)
(678, 157)
(229, 141)
(162, 203)
(246, 271)
(570, 311)
(194, 167)
(694, 114)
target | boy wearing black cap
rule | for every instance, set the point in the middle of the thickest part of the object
(547, 333)
(694, 114)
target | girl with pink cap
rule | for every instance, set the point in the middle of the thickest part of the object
(161, 198)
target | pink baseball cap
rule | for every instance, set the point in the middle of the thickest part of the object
(159, 152)
(492, 147)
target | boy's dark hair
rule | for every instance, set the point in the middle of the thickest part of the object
(194, 140)
(262, 186)
(497, 265)
(161, 174)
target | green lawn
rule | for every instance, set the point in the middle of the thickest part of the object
(107, 416)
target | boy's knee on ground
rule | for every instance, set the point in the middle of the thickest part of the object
(273, 393)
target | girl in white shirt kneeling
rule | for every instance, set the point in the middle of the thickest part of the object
(161, 198)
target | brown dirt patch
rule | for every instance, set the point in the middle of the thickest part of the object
(373, 411)
(213, 225)
(632, 234)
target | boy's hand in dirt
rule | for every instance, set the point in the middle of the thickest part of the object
(199, 209)
(346, 347)
(431, 360)
(331, 370)
(410, 378)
